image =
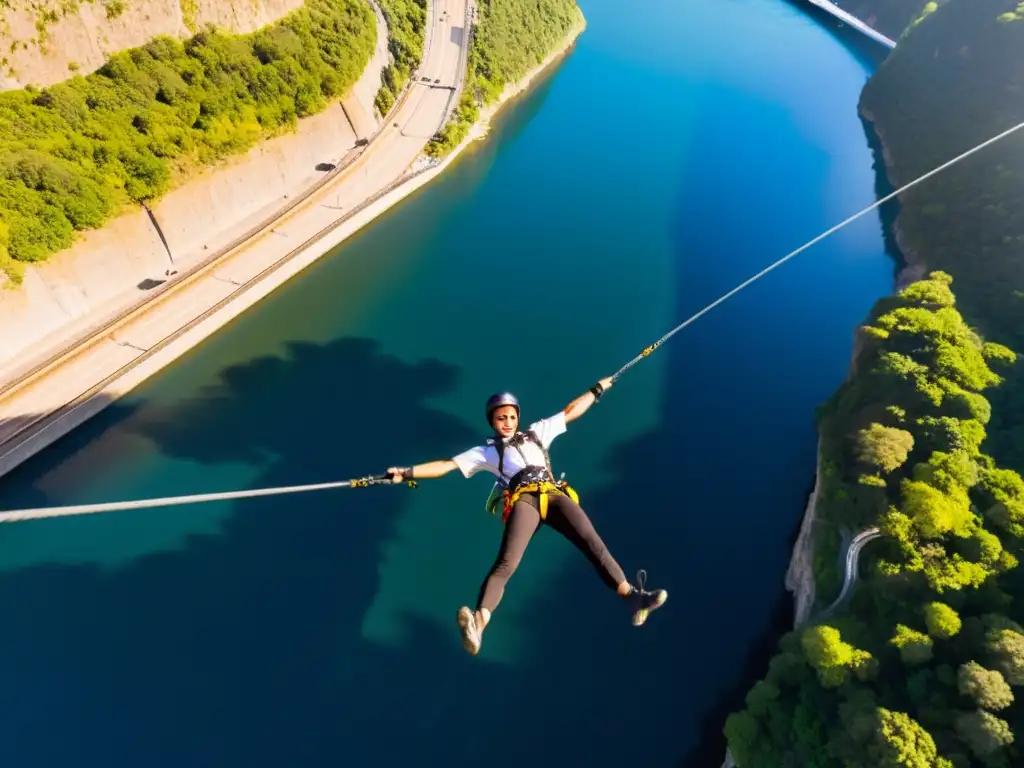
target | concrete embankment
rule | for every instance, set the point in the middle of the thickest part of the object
(47, 41)
(114, 366)
(112, 268)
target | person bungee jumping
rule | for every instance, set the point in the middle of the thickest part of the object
(531, 497)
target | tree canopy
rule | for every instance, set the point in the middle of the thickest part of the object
(918, 668)
(511, 38)
(941, 599)
(73, 154)
(953, 82)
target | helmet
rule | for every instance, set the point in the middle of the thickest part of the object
(497, 401)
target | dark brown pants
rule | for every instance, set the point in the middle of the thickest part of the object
(564, 516)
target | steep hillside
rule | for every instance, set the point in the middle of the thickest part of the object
(75, 154)
(924, 666)
(45, 41)
(511, 37)
(918, 669)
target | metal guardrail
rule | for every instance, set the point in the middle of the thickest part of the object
(463, 71)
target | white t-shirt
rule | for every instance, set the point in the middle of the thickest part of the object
(485, 457)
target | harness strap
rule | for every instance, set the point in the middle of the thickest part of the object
(499, 446)
(547, 457)
(542, 488)
(515, 441)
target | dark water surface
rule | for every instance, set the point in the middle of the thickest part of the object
(680, 148)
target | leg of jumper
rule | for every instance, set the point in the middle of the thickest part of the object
(566, 517)
(523, 522)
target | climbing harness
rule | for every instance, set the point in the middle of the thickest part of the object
(530, 479)
(27, 514)
(542, 489)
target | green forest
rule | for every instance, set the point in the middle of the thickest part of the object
(511, 38)
(968, 221)
(923, 665)
(407, 22)
(920, 662)
(72, 155)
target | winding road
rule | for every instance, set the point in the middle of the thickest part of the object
(851, 560)
(67, 389)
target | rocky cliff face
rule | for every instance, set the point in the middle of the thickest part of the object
(45, 41)
(800, 574)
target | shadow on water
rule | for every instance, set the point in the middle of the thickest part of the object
(17, 487)
(246, 648)
(312, 410)
(710, 751)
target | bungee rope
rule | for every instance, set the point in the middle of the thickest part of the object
(168, 501)
(693, 318)
(81, 509)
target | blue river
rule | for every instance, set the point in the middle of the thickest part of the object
(677, 150)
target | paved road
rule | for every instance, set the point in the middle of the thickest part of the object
(850, 574)
(421, 115)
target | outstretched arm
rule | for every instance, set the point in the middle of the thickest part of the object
(426, 471)
(579, 406)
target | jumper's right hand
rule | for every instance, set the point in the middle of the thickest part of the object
(396, 474)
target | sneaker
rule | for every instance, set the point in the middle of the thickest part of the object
(642, 602)
(471, 638)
